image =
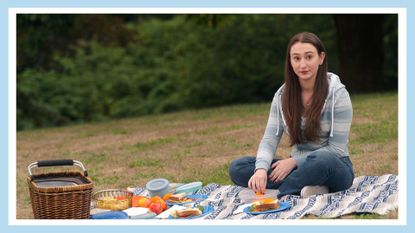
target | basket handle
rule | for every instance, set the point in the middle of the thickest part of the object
(59, 162)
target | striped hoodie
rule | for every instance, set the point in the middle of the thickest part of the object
(336, 118)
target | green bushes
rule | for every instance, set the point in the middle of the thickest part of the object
(168, 64)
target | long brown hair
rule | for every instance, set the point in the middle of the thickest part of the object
(291, 99)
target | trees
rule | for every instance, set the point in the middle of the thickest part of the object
(361, 42)
(77, 68)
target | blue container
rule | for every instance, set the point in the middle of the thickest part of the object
(110, 215)
(158, 187)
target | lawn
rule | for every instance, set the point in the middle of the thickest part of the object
(195, 145)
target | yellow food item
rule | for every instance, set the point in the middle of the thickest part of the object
(111, 203)
(267, 200)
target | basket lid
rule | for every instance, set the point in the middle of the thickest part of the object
(157, 185)
(55, 183)
(55, 180)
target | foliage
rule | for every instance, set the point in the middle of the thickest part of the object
(132, 65)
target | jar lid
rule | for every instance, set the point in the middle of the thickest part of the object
(157, 185)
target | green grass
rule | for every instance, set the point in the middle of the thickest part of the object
(89, 158)
(219, 174)
(378, 132)
(147, 162)
(153, 143)
(196, 145)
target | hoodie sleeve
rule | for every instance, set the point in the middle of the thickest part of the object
(271, 138)
(341, 122)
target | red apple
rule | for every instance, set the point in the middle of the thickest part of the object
(155, 207)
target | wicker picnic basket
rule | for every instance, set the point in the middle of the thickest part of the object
(60, 195)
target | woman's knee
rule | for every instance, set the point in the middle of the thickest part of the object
(317, 161)
(339, 174)
(325, 164)
(325, 159)
(242, 164)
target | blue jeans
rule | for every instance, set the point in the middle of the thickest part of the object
(318, 169)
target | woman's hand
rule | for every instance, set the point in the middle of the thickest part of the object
(258, 181)
(281, 169)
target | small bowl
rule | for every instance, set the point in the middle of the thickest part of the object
(158, 187)
(106, 199)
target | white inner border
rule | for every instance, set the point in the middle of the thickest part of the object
(402, 113)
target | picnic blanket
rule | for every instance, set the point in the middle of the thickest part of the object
(368, 194)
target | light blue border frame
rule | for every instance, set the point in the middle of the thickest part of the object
(6, 4)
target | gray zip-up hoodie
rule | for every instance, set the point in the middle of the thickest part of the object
(336, 118)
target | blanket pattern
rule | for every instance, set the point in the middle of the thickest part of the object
(368, 194)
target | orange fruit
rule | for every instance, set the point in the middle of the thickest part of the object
(156, 199)
(163, 205)
(166, 197)
(259, 193)
(144, 202)
(135, 199)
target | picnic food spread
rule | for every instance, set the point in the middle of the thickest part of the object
(161, 201)
(141, 207)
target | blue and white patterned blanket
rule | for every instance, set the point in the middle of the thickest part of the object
(368, 194)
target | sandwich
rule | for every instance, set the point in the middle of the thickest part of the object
(179, 198)
(185, 213)
(265, 205)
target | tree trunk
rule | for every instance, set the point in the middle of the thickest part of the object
(361, 53)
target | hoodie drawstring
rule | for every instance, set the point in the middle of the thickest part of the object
(332, 113)
(278, 117)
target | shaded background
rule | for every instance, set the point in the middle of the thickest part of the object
(74, 68)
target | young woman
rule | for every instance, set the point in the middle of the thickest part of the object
(314, 109)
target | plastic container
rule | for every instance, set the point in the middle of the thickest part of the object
(110, 215)
(158, 187)
(249, 196)
(189, 188)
